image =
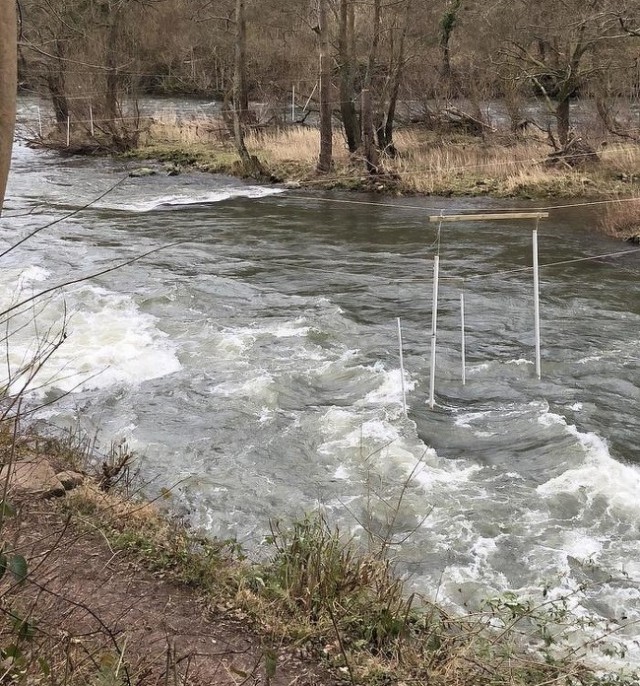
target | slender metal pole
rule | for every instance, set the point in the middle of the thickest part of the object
(68, 131)
(463, 351)
(293, 104)
(434, 326)
(91, 118)
(39, 122)
(536, 299)
(404, 393)
(306, 105)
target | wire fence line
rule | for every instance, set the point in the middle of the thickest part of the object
(456, 280)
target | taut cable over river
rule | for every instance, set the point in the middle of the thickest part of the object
(256, 365)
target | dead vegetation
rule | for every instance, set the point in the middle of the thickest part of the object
(102, 588)
(622, 220)
(426, 162)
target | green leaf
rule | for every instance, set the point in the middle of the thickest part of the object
(3, 564)
(270, 663)
(26, 630)
(18, 567)
(239, 672)
(45, 667)
(6, 510)
(12, 651)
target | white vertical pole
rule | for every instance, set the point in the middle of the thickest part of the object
(293, 103)
(68, 131)
(463, 351)
(91, 118)
(404, 393)
(306, 105)
(434, 325)
(39, 122)
(536, 299)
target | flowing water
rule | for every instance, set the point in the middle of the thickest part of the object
(254, 367)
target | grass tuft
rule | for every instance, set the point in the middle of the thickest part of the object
(622, 220)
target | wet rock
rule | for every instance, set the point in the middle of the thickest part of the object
(173, 169)
(292, 184)
(36, 477)
(70, 479)
(142, 171)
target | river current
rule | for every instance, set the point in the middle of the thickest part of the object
(254, 368)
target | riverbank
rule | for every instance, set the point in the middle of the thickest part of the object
(114, 590)
(427, 164)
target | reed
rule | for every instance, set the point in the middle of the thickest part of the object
(622, 220)
(428, 163)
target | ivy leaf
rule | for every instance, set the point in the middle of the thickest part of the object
(45, 667)
(18, 567)
(13, 652)
(6, 510)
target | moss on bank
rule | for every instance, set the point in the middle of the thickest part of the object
(323, 598)
(427, 165)
(316, 595)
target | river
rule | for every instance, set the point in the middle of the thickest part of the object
(254, 368)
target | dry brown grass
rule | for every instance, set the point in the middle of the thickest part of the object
(194, 130)
(622, 159)
(622, 220)
(428, 162)
(298, 143)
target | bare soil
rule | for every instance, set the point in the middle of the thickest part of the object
(99, 611)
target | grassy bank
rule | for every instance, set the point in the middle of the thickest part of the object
(318, 604)
(497, 165)
(428, 163)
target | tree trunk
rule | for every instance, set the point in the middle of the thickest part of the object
(111, 62)
(375, 41)
(55, 83)
(447, 24)
(368, 141)
(8, 88)
(239, 89)
(562, 121)
(326, 132)
(347, 68)
(241, 95)
(385, 130)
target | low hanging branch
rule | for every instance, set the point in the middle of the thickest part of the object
(8, 88)
(575, 153)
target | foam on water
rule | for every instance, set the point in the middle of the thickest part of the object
(390, 389)
(258, 388)
(107, 340)
(599, 475)
(283, 378)
(192, 198)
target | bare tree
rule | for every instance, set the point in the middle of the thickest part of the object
(390, 90)
(347, 72)
(8, 88)
(240, 102)
(447, 24)
(368, 139)
(561, 58)
(325, 157)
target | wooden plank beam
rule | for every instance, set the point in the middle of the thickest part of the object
(487, 217)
